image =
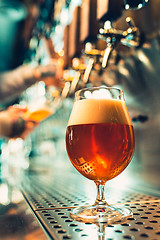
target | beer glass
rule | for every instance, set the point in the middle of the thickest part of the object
(100, 145)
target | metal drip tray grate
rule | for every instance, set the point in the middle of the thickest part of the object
(145, 223)
(52, 200)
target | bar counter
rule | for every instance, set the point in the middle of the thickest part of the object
(37, 206)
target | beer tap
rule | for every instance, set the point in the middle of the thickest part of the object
(130, 37)
(79, 68)
(94, 62)
(99, 59)
(78, 75)
(71, 77)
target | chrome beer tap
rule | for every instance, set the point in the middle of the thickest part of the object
(130, 37)
(94, 62)
(98, 59)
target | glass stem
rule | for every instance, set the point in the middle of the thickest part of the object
(101, 231)
(100, 200)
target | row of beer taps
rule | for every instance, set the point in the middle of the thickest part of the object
(92, 58)
(98, 60)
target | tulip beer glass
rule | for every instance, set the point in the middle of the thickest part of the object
(100, 145)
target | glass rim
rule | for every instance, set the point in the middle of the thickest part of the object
(121, 92)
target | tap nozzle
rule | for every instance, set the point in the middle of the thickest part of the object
(112, 36)
(131, 36)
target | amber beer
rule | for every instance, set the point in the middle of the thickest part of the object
(37, 115)
(100, 138)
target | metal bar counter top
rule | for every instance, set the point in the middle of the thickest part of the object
(39, 206)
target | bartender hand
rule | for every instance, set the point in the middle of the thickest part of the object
(51, 74)
(14, 82)
(12, 124)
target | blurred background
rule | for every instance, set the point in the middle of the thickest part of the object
(111, 43)
(97, 42)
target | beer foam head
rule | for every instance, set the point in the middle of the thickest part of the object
(88, 111)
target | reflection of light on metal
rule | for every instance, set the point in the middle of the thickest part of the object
(59, 46)
(4, 194)
(123, 71)
(61, 62)
(88, 47)
(64, 17)
(61, 53)
(127, 6)
(106, 56)
(131, 37)
(107, 25)
(55, 93)
(146, 61)
(68, 75)
(41, 88)
(33, 44)
(140, 5)
(129, 30)
(88, 70)
(75, 81)
(75, 62)
(112, 36)
(66, 89)
(58, 29)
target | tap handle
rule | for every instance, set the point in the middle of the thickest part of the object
(92, 52)
(131, 36)
(130, 22)
(111, 36)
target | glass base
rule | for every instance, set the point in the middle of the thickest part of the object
(100, 214)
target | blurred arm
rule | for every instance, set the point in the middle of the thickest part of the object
(13, 83)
